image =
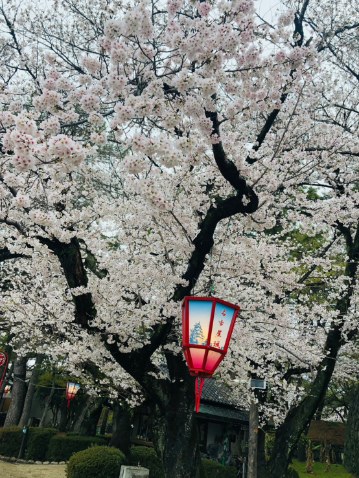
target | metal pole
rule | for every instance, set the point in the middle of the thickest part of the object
(25, 432)
(253, 441)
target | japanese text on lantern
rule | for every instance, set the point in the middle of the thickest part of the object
(220, 327)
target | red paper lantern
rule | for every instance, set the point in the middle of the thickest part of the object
(207, 326)
(71, 391)
(4, 360)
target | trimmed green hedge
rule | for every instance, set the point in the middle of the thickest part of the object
(147, 457)
(213, 469)
(96, 462)
(61, 447)
(10, 441)
(38, 443)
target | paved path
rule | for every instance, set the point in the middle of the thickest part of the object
(9, 470)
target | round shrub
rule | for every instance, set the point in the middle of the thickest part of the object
(147, 457)
(96, 462)
(61, 447)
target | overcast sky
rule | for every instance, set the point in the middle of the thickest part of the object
(267, 8)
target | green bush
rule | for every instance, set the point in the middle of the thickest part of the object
(96, 462)
(61, 447)
(144, 456)
(10, 441)
(213, 469)
(38, 442)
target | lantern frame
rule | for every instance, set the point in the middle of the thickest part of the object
(187, 346)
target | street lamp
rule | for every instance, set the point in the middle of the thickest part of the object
(71, 391)
(207, 326)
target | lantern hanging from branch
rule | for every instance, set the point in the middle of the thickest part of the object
(207, 326)
(4, 360)
(71, 391)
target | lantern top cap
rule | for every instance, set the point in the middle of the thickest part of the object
(213, 299)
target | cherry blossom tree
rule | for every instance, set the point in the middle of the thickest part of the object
(153, 150)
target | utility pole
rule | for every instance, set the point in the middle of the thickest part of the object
(253, 441)
(259, 387)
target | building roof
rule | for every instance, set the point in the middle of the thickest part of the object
(223, 413)
(330, 432)
(218, 401)
(218, 392)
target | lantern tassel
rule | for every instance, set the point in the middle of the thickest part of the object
(198, 385)
(68, 403)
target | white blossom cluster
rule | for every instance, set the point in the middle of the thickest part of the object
(108, 140)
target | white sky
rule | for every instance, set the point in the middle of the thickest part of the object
(267, 8)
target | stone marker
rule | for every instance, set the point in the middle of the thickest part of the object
(134, 472)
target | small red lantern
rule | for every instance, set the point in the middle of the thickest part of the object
(71, 391)
(4, 360)
(207, 326)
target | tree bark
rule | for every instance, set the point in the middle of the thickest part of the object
(17, 394)
(175, 432)
(351, 448)
(253, 441)
(121, 428)
(89, 424)
(64, 416)
(105, 412)
(262, 465)
(80, 419)
(47, 405)
(30, 393)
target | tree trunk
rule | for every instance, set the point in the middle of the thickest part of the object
(299, 418)
(17, 394)
(80, 419)
(30, 393)
(262, 465)
(105, 412)
(47, 405)
(351, 449)
(64, 416)
(121, 428)
(89, 424)
(253, 441)
(175, 432)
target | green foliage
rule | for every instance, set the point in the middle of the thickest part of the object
(61, 447)
(147, 457)
(96, 462)
(10, 441)
(38, 442)
(213, 469)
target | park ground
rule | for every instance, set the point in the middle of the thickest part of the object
(9, 470)
(336, 471)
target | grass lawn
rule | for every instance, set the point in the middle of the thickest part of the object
(9, 470)
(336, 471)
